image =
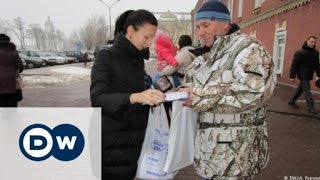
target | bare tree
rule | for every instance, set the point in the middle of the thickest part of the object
(18, 27)
(43, 40)
(176, 26)
(4, 28)
(101, 32)
(50, 33)
(94, 32)
(87, 34)
(72, 40)
(60, 38)
(34, 32)
(55, 37)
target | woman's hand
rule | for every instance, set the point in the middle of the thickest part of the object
(187, 102)
(151, 97)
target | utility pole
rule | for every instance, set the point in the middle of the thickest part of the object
(109, 8)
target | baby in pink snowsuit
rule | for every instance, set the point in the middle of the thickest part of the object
(165, 50)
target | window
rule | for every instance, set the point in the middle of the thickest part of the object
(230, 7)
(257, 3)
(240, 8)
(279, 49)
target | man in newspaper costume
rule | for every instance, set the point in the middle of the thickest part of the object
(230, 83)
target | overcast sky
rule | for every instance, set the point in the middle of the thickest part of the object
(67, 15)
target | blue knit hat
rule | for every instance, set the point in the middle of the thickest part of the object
(213, 10)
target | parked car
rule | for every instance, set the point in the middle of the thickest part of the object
(76, 54)
(58, 59)
(24, 63)
(49, 60)
(69, 59)
(90, 55)
(32, 62)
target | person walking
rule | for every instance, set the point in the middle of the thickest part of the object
(10, 64)
(230, 83)
(305, 62)
(85, 58)
(117, 86)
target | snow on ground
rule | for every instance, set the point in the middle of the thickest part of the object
(63, 74)
(72, 70)
(55, 76)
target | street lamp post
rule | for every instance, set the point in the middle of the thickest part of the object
(109, 8)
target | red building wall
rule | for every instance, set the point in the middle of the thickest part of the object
(270, 4)
(302, 21)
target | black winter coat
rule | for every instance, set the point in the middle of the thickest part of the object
(304, 63)
(10, 62)
(116, 74)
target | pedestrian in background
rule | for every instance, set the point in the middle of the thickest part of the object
(305, 62)
(184, 57)
(10, 65)
(85, 58)
(117, 85)
(230, 84)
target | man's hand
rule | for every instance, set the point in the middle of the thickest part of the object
(187, 102)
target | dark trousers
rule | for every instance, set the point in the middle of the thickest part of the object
(8, 100)
(304, 87)
(168, 107)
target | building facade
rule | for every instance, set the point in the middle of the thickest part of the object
(281, 25)
(173, 23)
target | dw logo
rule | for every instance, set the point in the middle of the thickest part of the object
(38, 142)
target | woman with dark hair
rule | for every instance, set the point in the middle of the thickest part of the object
(146, 53)
(117, 85)
(118, 27)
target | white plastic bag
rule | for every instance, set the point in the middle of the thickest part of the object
(155, 147)
(181, 138)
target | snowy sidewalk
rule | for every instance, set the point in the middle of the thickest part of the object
(56, 75)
